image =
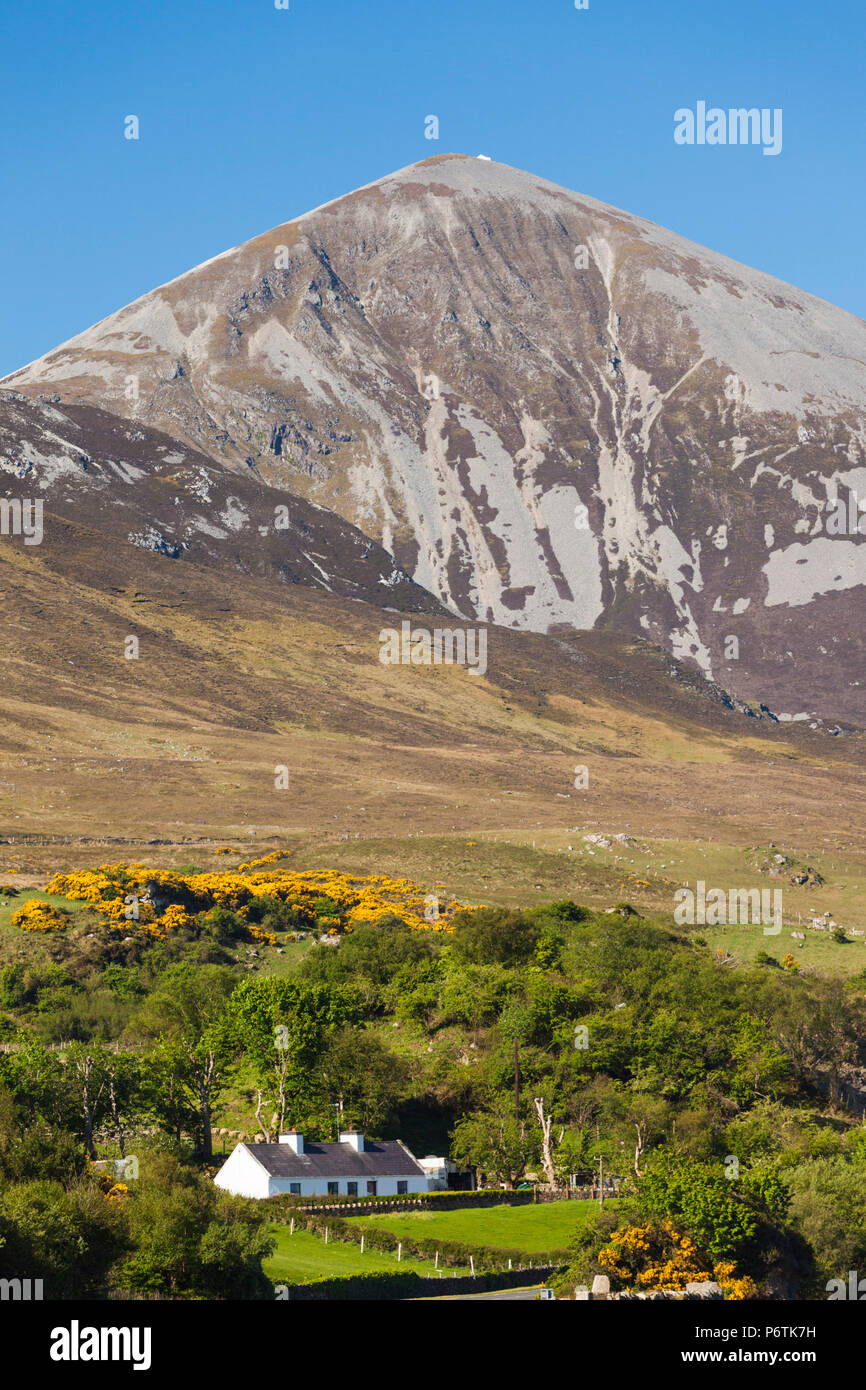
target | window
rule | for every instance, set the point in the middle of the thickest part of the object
(295, 1189)
(371, 1189)
(402, 1189)
(352, 1189)
(333, 1189)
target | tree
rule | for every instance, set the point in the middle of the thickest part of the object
(190, 1009)
(472, 994)
(87, 1064)
(165, 1089)
(192, 1240)
(362, 1077)
(283, 1026)
(762, 1069)
(493, 1141)
(828, 1208)
(495, 935)
(647, 1117)
(123, 1095)
(701, 1198)
(69, 1238)
(573, 1155)
(546, 1123)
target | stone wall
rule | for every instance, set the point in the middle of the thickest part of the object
(601, 1291)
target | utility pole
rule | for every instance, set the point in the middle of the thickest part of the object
(600, 1184)
(516, 1086)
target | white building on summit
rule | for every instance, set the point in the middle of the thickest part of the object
(355, 1167)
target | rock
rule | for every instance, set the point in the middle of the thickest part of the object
(706, 1288)
(600, 1286)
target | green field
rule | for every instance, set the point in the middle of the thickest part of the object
(533, 1229)
(23, 896)
(304, 1258)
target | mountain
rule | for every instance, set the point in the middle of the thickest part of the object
(552, 414)
(137, 485)
(237, 675)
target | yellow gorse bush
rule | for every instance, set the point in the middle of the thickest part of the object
(659, 1256)
(35, 915)
(357, 898)
(734, 1288)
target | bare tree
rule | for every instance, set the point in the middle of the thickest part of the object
(89, 1068)
(263, 1130)
(546, 1122)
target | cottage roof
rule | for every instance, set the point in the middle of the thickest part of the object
(379, 1158)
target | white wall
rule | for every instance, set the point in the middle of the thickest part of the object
(242, 1175)
(318, 1187)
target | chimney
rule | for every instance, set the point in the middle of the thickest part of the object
(294, 1140)
(354, 1138)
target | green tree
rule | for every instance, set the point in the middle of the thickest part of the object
(69, 1238)
(362, 1078)
(190, 1010)
(192, 1240)
(283, 1025)
(495, 936)
(699, 1197)
(493, 1141)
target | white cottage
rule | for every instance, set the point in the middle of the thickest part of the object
(355, 1167)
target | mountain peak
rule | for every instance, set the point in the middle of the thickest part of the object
(552, 413)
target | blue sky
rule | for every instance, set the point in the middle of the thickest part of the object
(251, 115)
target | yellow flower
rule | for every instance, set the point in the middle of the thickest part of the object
(35, 915)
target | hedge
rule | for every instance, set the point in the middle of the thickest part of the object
(479, 1197)
(385, 1285)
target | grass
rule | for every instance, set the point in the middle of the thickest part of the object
(532, 1229)
(23, 896)
(304, 1258)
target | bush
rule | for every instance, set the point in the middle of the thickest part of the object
(68, 1238)
(495, 936)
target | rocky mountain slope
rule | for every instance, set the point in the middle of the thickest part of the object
(235, 677)
(139, 486)
(551, 413)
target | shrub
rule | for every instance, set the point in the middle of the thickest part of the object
(35, 915)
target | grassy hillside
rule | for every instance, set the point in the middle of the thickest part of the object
(532, 1229)
(303, 1258)
(239, 676)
